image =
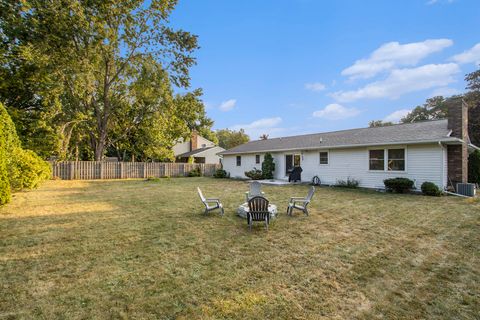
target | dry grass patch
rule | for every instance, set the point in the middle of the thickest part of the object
(143, 249)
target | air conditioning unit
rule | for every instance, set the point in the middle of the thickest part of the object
(466, 189)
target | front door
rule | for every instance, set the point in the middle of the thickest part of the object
(291, 161)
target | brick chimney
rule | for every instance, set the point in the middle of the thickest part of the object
(194, 141)
(458, 154)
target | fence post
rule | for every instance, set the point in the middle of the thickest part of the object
(72, 169)
(144, 170)
(101, 170)
(121, 170)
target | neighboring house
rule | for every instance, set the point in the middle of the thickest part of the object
(201, 149)
(435, 151)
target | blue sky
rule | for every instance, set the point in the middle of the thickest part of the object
(302, 66)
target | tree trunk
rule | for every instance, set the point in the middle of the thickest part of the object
(103, 117)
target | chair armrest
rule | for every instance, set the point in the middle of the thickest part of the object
(300, 201)
(296, 199)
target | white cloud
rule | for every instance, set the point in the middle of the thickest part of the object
(397, 115)
(393, 54)
(228, 105)
(315, 86)
(259, 127)
(471, 55)
(336, 111)
(402, 81)
(445, 91)
(430, 2)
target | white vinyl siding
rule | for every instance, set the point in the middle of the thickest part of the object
(422, 163)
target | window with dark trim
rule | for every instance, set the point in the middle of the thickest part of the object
(257, 158)
(396, 160)
(323, 157)
(376, 160)
(239, 161)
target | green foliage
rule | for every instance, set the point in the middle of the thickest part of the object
(430, 189)
(433, 109)
(268, 166)
(27, 170)
(220, 174)
(399, 185)
(82, 77)
(191, 159)
(474, 167)
(195, 172)
(5, 193)
(254, 174)
(8, 141)
(228, 139)
(19, 168)
(350, 183)
(379, 123)
(153, 179)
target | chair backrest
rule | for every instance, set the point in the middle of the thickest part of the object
(310, 194)
(201, 194)
(255, 189)
(258, 204)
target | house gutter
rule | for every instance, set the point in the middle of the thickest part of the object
(442, 174)
(349, 146)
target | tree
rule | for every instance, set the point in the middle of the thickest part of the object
(228, 139)
(268, 166)
(474, 167)
(379, 123)
(264, 137)
(472, 98)
(84, 58)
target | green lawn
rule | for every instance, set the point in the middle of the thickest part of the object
(139, 249)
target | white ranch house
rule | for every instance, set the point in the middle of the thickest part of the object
(435, 151)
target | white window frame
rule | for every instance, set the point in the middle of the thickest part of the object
(259, 159)
(328, 158)
(236, 161)
(385, 163)
(404, 159)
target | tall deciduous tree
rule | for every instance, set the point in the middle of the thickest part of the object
(83, 62)
(228, 139)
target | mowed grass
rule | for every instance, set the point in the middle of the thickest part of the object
(144, 250)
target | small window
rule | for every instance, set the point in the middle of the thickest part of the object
(323, 157)
(396, 159)
(239, 161)
(257, 159)
(377, 159)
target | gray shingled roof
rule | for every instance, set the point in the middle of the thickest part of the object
(194, 152)
(419, 132)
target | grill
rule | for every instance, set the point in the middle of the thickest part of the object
(466, 189)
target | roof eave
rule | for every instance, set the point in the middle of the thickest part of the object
(453, 140)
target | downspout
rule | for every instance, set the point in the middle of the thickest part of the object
(442, 166)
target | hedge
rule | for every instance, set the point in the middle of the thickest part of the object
(19, 168)
(399, 185)
(431, 189)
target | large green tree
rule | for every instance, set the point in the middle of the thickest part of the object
(74, 70)
(379, 123)
(228, 139)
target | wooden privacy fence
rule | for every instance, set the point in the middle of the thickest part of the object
(87, 170)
